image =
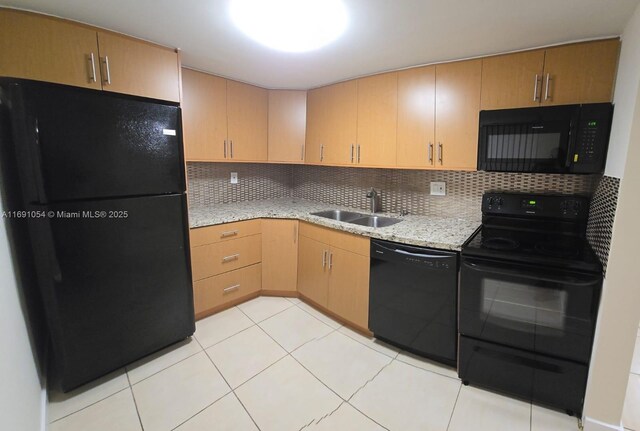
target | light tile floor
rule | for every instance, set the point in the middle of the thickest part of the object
(631, 413)
(276, 364)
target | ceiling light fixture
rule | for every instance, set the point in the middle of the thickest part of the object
(290, 25)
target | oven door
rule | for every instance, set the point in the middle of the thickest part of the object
(541, 310)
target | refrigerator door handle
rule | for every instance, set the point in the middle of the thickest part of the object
(36, 157)
(48, 248)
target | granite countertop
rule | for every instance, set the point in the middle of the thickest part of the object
(442, 233)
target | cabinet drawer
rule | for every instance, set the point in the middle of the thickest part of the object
(224, 232)
(346, 241)
(215, 291)
(213, 259)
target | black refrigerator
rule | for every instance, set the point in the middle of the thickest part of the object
(96, 196)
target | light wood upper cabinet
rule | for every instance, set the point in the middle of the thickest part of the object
(377, 120)
(279, 255)
(349, 286)
(48, 49)
(135, 67)
(287, 125)
(416, 117)
(313, 271)
(247, 121)
(512, 80)
(457, 112)
(204, 115)
(580, 73)
(332, 116)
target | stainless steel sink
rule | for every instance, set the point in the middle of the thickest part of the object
(375, 221)
(339, 215)
(357, 218)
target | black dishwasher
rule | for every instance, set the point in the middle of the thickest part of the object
(413, 299)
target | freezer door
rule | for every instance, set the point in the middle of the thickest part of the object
(115, 280)
(84, 144)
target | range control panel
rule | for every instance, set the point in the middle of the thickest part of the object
(530, 205)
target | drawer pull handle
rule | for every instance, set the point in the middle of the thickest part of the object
(230, 258)
(230, 289)
(228, 234)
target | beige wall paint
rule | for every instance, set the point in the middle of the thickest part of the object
(620, 305)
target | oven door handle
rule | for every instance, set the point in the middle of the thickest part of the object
(528, 274)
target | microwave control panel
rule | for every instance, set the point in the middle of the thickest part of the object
(591, 142)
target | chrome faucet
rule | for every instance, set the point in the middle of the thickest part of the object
(375, 200)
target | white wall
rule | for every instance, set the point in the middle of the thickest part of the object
(21, 407)
(627, 82)
(620, 305)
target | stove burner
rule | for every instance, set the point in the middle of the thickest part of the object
(556, 249)
(499, 243)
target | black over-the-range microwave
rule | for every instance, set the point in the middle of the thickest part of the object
(555, 139)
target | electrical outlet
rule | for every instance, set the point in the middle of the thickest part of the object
(438, 188)
(234, 178)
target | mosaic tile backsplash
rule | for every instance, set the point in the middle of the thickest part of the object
(601, 216)
(399, 189)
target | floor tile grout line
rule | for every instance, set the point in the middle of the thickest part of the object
(369, 380)
(167, 367)
(89, 405)
(340, 325)
(365, 345)
(455, 404)
(266, 318)
(367, 416)
(246, 410)
(135, 403)
(200, 411)
(430, 371)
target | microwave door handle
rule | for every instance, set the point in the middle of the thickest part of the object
(528, 275)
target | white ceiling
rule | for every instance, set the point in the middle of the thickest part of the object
(382, 34)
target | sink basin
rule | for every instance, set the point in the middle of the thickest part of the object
(339, 215)
(375, 221)
(358, 218)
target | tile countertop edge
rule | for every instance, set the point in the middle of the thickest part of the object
(452, 233)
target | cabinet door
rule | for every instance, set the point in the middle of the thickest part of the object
(512, 80)
(580, 73)
(247, 120)
(47, 49)
(332, 116)
(204, 116)
(457, 114)
(139, 68)
(313, 270)
(377, 120)
(279, 255)
(349, 286)
(287, 125)
(416, 117)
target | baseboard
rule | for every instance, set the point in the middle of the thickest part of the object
(286, 293)
(595, 425)
(44, 417)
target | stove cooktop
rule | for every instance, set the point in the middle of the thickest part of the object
(535, 247)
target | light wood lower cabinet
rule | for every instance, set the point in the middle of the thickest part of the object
(212, 259)
(214, 292)
(279, 255)
(335, 274)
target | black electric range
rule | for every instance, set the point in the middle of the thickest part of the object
(529, 294)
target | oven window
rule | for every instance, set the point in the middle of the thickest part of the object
(523, 146)
(508, 302)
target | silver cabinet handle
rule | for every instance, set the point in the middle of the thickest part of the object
(358, 153)
(225, 148)
(440, 152)
(92, 68)
(295, 233)
(230, 288)
(228, 233)
(351, 153)
(231, 258)
(547, 93)
(324, 258)
(535, 88)
(321, 152)
(330, 260)
(430, 153)
(107, 70)
(231, 148)
(302, 152)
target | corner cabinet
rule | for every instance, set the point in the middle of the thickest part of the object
(577, 73)
(333, 272)
(279, 256)
(49, 49)
(223, 120)
(287, 125)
